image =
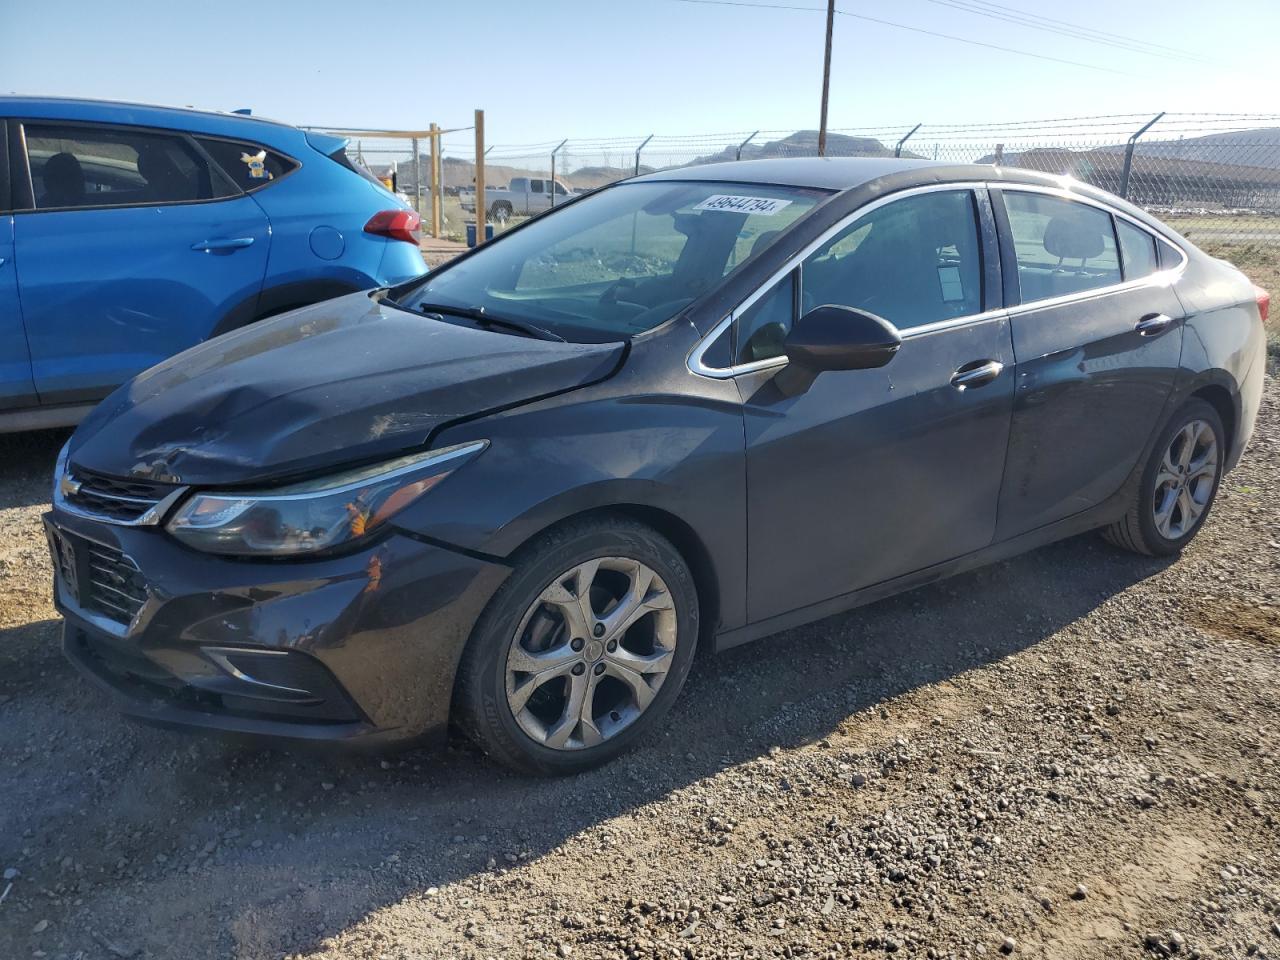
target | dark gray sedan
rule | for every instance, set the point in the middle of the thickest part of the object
(697, 407)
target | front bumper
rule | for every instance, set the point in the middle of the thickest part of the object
(360, 647)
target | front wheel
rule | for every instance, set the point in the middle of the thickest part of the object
(1178, 484)
(582, 650)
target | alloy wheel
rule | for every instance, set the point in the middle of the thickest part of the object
(1185, 481)
(591, 653)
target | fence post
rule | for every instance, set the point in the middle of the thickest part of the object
(552, 185)
(482, 209)
(744, 143)
(435, 181)
(1128, 154)
(417, 177)
(897, 151)
(638, 149)
(999, 155)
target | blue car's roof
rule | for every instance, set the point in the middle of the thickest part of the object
(146, 115)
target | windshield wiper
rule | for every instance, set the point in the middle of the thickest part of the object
(487, 320)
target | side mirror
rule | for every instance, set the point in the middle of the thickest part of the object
(841, 338)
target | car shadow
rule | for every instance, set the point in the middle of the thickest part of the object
(257, 850)
(26, 466)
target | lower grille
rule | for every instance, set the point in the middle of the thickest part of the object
(111, 584)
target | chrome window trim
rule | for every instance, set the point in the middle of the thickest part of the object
(1165, 277)
(1064, 194)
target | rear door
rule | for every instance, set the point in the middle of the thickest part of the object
(871, 474)
(136, 245)
(16, 388)
(1097, 336)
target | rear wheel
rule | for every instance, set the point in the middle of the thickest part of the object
(1178, 484)
(582, 651)
(501, 212)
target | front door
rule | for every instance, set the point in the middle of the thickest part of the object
(1096, 358)
(16, 388)
(871, 474)
(136, 248)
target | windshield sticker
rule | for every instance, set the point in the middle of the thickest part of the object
(760, 206)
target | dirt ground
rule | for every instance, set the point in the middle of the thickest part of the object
(1072, 754)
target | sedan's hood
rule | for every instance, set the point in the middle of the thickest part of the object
(345, 380)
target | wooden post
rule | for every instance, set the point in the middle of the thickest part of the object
(417, 177)
(481, 207)
(435, 181)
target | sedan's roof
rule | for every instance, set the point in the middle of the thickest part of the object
(840, 173)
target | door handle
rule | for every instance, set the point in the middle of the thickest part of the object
(976, 374)
(231, 243)
(1153, 324)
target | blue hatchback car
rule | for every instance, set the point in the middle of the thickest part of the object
(129, 233)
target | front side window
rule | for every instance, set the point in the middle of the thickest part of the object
(1137, 249)
(250, 165)
(914, 261)
(763, 326)
(619, 261)
(92, 166)
(1062, 247)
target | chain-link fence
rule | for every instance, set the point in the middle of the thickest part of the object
(1213, 177)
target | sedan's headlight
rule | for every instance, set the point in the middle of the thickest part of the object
(315, 514)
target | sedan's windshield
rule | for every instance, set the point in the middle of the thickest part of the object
(618, 262)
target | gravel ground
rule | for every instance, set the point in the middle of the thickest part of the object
(1071, 754)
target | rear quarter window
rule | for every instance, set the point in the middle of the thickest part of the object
(251, 166)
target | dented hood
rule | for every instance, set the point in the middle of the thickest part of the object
(347, 380)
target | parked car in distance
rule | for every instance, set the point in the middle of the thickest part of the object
(524, 197)
(696, 407)
(129, 233)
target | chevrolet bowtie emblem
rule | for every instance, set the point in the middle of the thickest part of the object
(69, 485)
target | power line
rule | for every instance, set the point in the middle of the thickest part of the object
(903, 26)
(1077, 33)
(1076, 26)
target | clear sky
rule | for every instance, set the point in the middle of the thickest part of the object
(547, 69)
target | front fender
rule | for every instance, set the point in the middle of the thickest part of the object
(596, 448)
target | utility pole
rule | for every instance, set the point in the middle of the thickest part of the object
(826, 80)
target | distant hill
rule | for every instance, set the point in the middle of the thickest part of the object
(804, 143)
(1252, 148)
(458, 172)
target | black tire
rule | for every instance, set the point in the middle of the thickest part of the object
(1137, 531)
(501, 212)
(483, 712)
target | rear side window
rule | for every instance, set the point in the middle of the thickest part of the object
(1062, 247)
(95, 166)
(1137, 250)
(250, 166)
(914, 261)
